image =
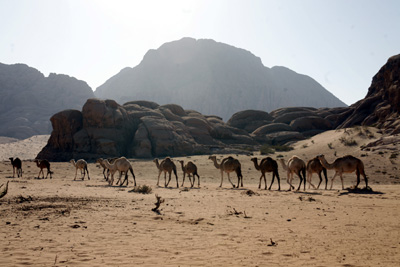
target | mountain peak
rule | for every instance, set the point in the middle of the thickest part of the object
(213, 78)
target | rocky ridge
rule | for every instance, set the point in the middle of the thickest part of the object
(28, 99)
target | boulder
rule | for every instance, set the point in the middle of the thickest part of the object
(249, 120)
(311, 123)
(272, 128)
(290, 116)
(60, 146)
(104, 114)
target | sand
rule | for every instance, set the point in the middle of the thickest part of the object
(62, 222)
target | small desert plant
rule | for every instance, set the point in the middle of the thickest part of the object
(271, 149)
(305, 146)
(393, 156)
(266, 149)
(348, 141)
(330, 145)
(142, 189)
(282, 148)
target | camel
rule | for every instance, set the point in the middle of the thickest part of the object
(5, 190)
(315, 166)
(295, 165)
(165, 166)
(121, 164)
(17, 165)
(100, 161)
(82, 165)
(190, 168)
(43, 164)
(228, 165)
(267, 165)
(346, 164)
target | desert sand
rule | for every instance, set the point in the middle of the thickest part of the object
(61, 222)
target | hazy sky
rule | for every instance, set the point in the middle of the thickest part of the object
(341, 44)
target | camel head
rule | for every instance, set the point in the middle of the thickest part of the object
(320, 156)
(72, 161)
(155, 160)
(99, 160)
(212, 157)
(254, 159)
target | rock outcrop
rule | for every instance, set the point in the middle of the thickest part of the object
(215, 79)
(381, 106)
(138, 129)
(28, 99)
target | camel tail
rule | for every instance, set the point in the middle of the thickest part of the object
(132, 172)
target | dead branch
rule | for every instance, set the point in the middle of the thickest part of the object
(158, 203)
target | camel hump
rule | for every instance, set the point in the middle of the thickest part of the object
(168, 159)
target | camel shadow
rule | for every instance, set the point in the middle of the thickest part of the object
(360, 191)
(99, 186)
(308, 193)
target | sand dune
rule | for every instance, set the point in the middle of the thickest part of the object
(61, 222)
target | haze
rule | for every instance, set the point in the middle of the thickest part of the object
(341, 44)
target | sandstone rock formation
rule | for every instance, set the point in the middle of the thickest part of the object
(381, 106)
(28, 99)
(138, 129)
(215, 79)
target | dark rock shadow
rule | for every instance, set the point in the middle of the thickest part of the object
(362, 191)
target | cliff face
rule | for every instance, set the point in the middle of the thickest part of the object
(213, 78)
(28, 99)
(381, 106)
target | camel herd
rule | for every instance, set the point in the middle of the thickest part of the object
(295, 165)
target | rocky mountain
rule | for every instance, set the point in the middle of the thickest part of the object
(28, 99)
(213, 78)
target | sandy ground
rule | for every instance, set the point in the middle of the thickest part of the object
(62, 222)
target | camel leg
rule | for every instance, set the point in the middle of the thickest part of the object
(190, 180)
(134, 178)
(87, 170)
(111, 180)
(165, 179)
(198, 180)
(76, 171)
(229, 178)
(184, 174)
(358, 177)
(272, 181)
(194, 179)
(177, 183)
(320, 179)
(158, 180)
(126, 179)
(363, 174)
(289, 180)
(326, 178)
(222, 178)
(309, 181)
(259, 184)
(341, 179)
(333, 178)
(279, 181)
(301, 180)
